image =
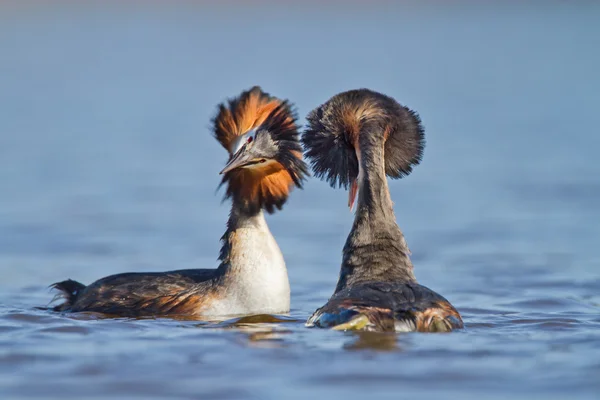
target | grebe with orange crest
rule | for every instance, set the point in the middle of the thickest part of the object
(260, 133)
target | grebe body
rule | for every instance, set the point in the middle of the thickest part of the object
(260, 133)
(355, 140)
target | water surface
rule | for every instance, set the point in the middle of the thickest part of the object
(107, 165)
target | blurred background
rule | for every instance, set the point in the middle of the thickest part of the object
(107, 165)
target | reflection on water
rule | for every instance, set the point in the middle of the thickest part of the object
(264, 330)
(107, 166)
(373, 341)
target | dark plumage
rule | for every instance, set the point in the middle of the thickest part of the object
(68, 290)
(142, 294)
(259, 132)
(355, 140)
(333, 130)
(389, 306)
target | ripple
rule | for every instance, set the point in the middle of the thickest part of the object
(560, 321)
(24, 317)
(482, 311)
(18, 358)
(9, 328)
(475, 325)
(545, 304)
(71, 329)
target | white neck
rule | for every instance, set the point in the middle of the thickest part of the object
(255, 279)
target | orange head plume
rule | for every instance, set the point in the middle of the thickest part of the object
(260, 133)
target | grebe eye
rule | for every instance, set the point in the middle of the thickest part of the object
(250, 139)
(262, 161)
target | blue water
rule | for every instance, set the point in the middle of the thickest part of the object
(107, 165)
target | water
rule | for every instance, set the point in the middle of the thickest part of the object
(107, 166)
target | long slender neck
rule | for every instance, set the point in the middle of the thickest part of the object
(243, 228)
(252, 272)
(375, 249)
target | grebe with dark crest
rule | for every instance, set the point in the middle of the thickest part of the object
(260, 133)
(354, 140)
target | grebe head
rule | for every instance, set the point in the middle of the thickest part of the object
(344, 133)
(260, 133)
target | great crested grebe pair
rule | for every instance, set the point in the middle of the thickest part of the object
(353, 140)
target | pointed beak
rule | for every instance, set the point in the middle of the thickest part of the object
(239, 159)
(352, 194)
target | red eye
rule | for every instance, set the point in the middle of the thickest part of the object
(250, 139)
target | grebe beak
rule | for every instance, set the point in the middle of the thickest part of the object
(239, 160)
(352, 194)
(246, 157)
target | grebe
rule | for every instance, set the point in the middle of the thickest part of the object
(353, 141)
(260, 133)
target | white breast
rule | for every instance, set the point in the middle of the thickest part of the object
(256, 281)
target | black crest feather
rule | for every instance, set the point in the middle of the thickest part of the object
(337, 126)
